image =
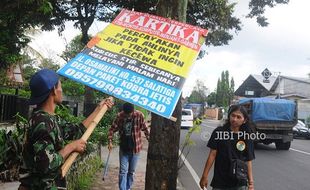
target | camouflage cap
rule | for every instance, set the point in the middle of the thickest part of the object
(41, 84)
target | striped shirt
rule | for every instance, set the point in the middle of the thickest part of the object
(138, 126)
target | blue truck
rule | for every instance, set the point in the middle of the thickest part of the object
(272, 120)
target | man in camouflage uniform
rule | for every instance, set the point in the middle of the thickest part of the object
(44, 148)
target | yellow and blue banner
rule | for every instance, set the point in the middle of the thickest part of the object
(139, 58)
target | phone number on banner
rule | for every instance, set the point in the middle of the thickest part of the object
(115, 91)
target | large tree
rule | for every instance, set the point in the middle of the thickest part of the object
(211, 99)
(224, 90)
(199, 93)
(163, 151)
(83, 13)
(215, 15)
(16, 17)
(70, 87)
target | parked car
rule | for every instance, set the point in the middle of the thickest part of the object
(187, 118)
(301, 130)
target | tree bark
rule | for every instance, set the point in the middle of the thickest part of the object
(163, 151)
(89, 96)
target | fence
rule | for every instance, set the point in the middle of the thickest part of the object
(10, 105)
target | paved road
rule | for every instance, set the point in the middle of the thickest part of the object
(273, 169)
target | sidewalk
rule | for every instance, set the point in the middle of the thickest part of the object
(111, 179)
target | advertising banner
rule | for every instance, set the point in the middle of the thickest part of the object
(139, 58)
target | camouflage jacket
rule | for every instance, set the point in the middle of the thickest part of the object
(45, 136)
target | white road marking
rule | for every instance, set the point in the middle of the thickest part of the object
(210, 127)
(300, 151)
(191, 169)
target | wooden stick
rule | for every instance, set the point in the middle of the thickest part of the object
(65, 167)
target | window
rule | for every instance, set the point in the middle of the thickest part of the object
(249, 92)
(186, 112)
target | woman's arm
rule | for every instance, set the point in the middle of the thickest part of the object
(250, 175)
(204, 178)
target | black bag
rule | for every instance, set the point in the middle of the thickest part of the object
(127, 143)
(238, 168)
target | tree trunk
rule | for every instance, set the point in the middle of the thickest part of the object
(163, 151)
(89, 96)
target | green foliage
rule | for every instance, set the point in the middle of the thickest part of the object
(11, 150)
(257, 8)
(217, 17)
(66, 114)
(197, 121)
(80, 176)
(211, 99)
(28, 71)
(73, 48)
(15, 18)
(199, 93)
(21, 92)
(24, 93)
(188, 142)
(3, 149)
(144, 111)
(4, 90)
(100, 134)
(49, 64)
(82, 173)
(18, 16)
(10, 153)
(72, 88)
(224, 90)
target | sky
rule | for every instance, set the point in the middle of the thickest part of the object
(283, 46)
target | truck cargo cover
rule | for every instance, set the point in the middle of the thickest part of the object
(269, 109)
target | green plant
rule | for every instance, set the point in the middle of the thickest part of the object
(197, 121)
(100, 134)
(188, 142)
(10, 155)
(81, 174)
(144, 111)
(66, 114)
(11, 149)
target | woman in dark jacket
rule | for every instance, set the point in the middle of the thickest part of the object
(229, 143)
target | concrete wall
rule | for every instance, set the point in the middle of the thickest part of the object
(289, 86)
(212, 113)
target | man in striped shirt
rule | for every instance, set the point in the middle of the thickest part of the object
(129, 123)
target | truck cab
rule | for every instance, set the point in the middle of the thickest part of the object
(275, 118)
